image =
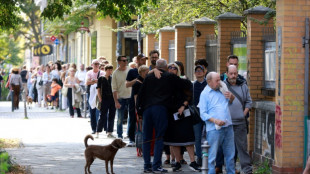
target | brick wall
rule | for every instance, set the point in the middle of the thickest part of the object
(291, 16)
(200, 42)
(227, 23)
(181, 33)
(150, 40)
(164, 36)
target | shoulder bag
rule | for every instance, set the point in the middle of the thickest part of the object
(194, 110)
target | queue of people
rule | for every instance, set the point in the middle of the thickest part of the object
(157, 96)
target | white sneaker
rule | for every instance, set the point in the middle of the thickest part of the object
(131, 144)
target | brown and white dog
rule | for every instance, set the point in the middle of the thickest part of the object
(29, 102)
(106, 153)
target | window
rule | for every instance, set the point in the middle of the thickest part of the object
(270, 65)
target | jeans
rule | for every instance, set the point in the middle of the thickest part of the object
(120, 116)
(94, 116)
(131, 120)
(106, 121)
(154, 117)
(225, 138)
(198, 134)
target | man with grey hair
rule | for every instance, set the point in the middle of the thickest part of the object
(238, 111)
(214, 111)
(153, 102)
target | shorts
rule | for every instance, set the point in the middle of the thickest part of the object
(55, 97)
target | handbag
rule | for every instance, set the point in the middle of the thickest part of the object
(64, 91)
(194, 110)
(139, 136)
(98, 103)
(41, 83)
(195, 113)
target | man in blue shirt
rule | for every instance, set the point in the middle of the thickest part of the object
(213, 105)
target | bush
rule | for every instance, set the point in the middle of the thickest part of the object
(263, 168)
(4, 162)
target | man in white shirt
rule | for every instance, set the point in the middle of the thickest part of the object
(81, 75)
(121, 94)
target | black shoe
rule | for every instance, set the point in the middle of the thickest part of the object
(148, 170)
(199, 161)
(160, 170)
(177, 167)
(183, 161)
(194, 166)
(93, 132)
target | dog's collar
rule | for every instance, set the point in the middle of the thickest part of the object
(114, 147)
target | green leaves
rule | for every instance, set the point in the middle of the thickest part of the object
(9, 12)
(4, 166)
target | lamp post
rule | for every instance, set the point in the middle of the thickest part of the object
(83, 29)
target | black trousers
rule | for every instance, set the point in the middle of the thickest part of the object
(107, 116)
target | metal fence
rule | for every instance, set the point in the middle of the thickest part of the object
(189, 58)
(171, 51)
(211, 51)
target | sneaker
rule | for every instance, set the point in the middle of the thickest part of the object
(131, 144)
(172, 163)
(177, 167)
(110, 136)
(182, 161)
(194, 166)
(148, 170)
(160, 170)
(199, 161)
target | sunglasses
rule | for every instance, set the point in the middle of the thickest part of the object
(173, 68)
(124, 60)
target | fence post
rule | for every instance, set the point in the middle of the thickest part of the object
(205, 147)
(12, 99)
(25, 106)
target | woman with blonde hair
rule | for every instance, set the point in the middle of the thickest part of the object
(72, 82)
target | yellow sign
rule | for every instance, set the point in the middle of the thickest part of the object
(45, 49)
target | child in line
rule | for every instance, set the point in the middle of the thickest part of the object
(55, 87)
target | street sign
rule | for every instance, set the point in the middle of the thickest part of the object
(53, 38)
(42, 50)
(56, 41)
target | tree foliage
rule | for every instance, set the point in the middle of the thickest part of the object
(10, 50)
(119, 10)
(171, 12)
(9, 15)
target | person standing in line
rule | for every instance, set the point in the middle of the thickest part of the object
(131, 79)
(105, 95)
(16, 86)
(25, 75)
(153, 103)
(214, 111)
(121, 94)
(231, 60)
(198, 86)
(39, 84)
(47, 81)
(70, 83)
(238, 111)
(1, 83)
(81, 76)
(154, 55)
(92, 79)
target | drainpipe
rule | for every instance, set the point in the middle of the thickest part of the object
(306, 92)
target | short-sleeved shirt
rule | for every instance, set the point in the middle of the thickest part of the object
(119, 84)
(105, 88)
(132, 74)
(92, 75)
(136, 87)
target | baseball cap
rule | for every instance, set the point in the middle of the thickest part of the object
(199, 66)
(141, 56)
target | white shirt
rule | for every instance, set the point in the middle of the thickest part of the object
(81, 75)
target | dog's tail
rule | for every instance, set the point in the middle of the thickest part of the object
(86, 138)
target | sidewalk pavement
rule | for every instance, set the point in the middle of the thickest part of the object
(52, 143)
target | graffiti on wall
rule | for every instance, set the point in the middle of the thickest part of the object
(268, 127)
(278, 131)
